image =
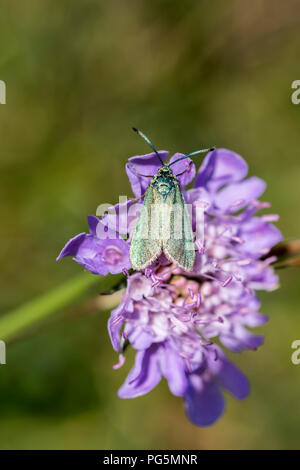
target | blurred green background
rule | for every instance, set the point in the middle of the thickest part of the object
(78, 76)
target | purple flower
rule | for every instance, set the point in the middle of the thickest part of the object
(173, 318)
(204, 401)
(98, 255)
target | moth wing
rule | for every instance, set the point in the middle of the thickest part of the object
(178, 243)
(145, 247)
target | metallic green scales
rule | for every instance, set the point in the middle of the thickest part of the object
(163, 225)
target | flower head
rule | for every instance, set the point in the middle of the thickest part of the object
(172, 317)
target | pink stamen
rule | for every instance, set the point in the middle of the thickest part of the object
(184, 317)
(191, 293)
(117, 320)
(244, 262)
(248, 290)
(261, 205)
(227, 281)
(267, 262)
(270, 218)
(264, 251)
(188, 366)
(202, 322)
(122, 359)
(238, 202)
(165, 284)
(200, 247)
(185, 355)
(208, 276)
(155, 284)
(237, 240)
(245, 310)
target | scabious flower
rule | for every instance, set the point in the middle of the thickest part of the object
(173, 318)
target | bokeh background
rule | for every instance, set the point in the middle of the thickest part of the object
(190, 74)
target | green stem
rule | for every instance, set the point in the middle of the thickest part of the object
(15, 322)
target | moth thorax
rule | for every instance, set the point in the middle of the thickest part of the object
(164, 180)
(164, 185)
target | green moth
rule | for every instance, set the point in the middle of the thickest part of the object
(163, 225)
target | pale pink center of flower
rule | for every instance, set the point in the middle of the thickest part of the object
(113, 255)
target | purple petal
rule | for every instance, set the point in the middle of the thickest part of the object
(231, 342)
(195, 195)
(241, 339)
(207, 169)
(214, 358)
(93, 221)
(173, 369)
(98, 256)
(220, 167)
(234, 380)
(93, 265)
(115, 255)
(186, 166)
(236, 196)
(204, 405)
(104, 231)
(139, 287)
(140, 339)
(86, 251)
(144, 375)
(254, 319)
(259, 236)
(250, 340)
(146, 165)
(114, 326)
(120, 217)
(264, 280)
(72, 246)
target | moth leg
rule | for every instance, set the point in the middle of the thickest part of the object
(138, 198)
(187, 169)
(140, 174)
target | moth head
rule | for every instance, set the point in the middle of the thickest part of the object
(164, 180)
(165, 170)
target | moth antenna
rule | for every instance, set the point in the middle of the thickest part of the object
(192, 154)
(148, 142)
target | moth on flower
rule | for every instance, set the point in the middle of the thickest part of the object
(163, 225)
(172, 319)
